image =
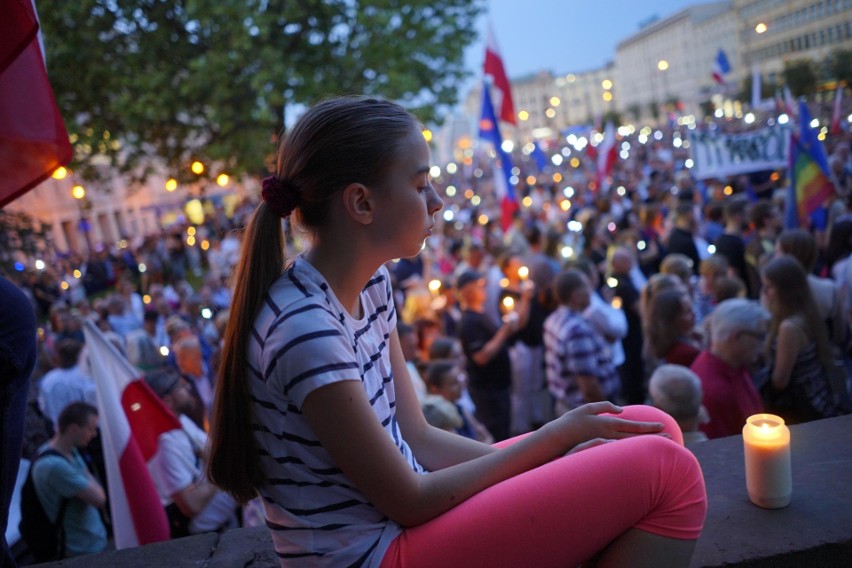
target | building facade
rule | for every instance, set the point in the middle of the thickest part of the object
(81, 216)
(667, 65)
(771, 32)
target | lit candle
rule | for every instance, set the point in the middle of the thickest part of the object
(766, 442)
(508, 304)
(523, 273)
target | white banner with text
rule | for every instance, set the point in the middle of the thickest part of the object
(719, 155)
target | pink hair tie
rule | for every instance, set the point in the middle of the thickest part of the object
(281, 196)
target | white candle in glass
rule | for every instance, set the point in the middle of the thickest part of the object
(766, 442)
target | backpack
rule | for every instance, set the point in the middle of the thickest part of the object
(44, 539)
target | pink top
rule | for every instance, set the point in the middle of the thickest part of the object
(729, 395)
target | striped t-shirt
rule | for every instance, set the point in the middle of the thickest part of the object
(303, 339)
(573, 348)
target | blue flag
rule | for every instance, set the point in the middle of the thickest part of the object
(537, 154)
(721, 67)
(489, 130)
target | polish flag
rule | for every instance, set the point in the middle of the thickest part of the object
(495, 69)
(32, 134)
(835, 111)
(789, 103)
(489, 130)
(132, 418)
(606, 155)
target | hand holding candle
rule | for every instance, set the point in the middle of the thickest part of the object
(766, 442)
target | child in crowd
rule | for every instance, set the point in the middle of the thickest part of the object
(445, 379)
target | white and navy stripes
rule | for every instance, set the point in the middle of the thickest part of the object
(572, 348)
(303, 339)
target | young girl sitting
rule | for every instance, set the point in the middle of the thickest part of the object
(315, 411)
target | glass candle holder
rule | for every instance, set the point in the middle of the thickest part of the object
(766, 442)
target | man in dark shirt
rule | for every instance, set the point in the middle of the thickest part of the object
(632, 371)
(18, 350)
(682, 236)
(489, 368)
(731, 243)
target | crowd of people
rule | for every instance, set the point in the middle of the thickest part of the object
(657, 289)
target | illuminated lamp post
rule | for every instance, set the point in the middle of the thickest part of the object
(78, 192)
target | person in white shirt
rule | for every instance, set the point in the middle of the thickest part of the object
(193, 504)
(66, 383)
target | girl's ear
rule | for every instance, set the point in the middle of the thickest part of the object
(358, 203)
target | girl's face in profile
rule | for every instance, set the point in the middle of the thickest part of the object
(407, 202)
(686, 319)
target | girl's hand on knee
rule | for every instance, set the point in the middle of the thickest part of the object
(586, 445)
(595, 420)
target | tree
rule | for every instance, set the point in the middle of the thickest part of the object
(800, 76)
(148, 83)
(840, 65)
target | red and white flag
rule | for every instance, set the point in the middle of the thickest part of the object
(32, 135)
(606, 155)
(132, 418)
(835, 111)
(495, 69)
(789, 103)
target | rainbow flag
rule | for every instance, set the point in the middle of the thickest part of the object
(810, 189)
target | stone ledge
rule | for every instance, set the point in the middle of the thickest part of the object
(815, 530)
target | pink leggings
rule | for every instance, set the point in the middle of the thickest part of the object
(564, 512)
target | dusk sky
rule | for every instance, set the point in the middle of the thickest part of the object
(562, 35)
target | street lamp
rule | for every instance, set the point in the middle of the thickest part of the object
(663, 67)
(78, 192)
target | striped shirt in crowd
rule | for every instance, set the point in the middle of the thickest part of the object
(573, 348)
(304, 339)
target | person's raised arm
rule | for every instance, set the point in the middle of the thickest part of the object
(493, 346)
